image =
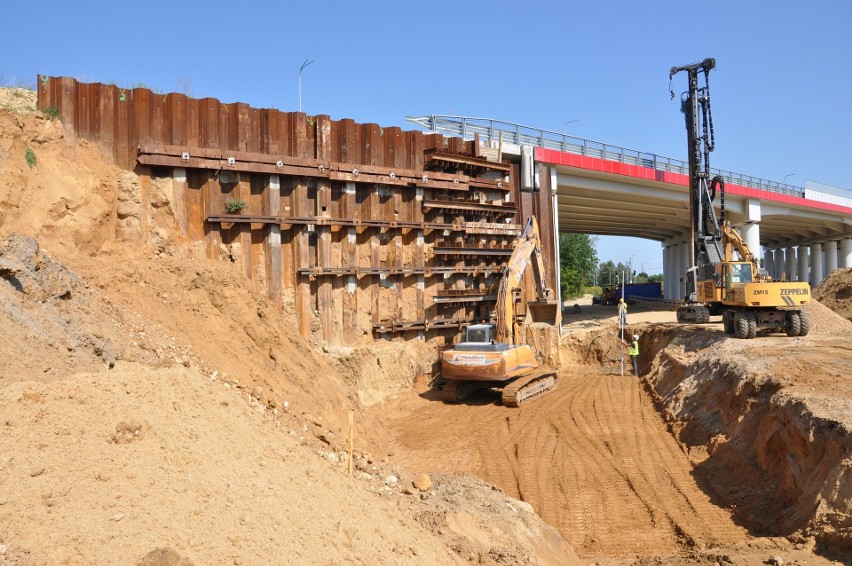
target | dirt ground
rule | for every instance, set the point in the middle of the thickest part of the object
(157, 409)
(598, 460)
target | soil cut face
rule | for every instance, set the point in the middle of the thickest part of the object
(159, 409)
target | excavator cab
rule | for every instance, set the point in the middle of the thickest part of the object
(480, 338)
(741, 272)
(479, 333)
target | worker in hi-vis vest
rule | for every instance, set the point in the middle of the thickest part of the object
(633, 352)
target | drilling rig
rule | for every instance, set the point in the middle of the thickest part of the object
(718, 283)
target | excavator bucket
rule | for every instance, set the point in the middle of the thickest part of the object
(544, 312)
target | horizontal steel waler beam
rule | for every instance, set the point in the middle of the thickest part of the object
(493, 229)
(472, 251)
(434, 154)
(470, 206)
(399, 271)
(439, 299)
(407, 325)
(215, 159)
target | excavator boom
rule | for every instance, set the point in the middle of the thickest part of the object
(545, 309)
(734, 242)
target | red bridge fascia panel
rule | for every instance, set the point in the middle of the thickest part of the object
(556, 157)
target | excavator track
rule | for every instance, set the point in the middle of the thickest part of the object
(528, 387)
(457, 390)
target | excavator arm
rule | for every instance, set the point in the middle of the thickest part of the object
(733, 241)
(545, 308)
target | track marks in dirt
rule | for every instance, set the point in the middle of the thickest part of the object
(593, 458)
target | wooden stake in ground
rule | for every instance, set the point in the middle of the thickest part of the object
(351, 438)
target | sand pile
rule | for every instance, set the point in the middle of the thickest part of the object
(835, 292)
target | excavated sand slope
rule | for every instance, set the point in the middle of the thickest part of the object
(153, 399)
(769, 434)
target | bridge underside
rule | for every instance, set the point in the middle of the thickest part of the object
(592, 202)
(799, 242)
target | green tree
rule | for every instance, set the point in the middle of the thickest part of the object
(578, 257)
(610, 272)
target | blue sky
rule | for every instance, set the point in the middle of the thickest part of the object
(780, 90)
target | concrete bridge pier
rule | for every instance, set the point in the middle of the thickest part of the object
(803, 272)
(675, 263)
(670, 271)
(780, 264)
(769, 262)
(816, 265)
(830, 256)
(791, 263)
(845, 259)
(667, 272)
(750, 232)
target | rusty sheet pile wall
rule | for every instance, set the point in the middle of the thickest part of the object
(366, 230)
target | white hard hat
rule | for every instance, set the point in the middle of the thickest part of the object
(636, 337)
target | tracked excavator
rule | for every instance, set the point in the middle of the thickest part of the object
(496, 356)
(725, 276)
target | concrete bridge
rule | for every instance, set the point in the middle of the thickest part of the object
(804, 233)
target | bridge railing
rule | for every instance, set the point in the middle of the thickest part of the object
(518, 134)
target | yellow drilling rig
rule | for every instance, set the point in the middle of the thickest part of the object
(717, 283)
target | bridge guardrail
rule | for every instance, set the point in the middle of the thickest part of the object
(518, 134)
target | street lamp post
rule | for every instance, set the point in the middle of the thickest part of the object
(569, 122)
(565, 134)
(302, 68)
(787, 175)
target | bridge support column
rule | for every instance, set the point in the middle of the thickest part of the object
(780, 264)
(555, 205)
(816, 264)
(803, 273)
(671, 272)
(769, 263)
(777, 264)
(751, 234)
(674, 272)
(790, 253)
(845, 259)
(667, 272)
(830, 256)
